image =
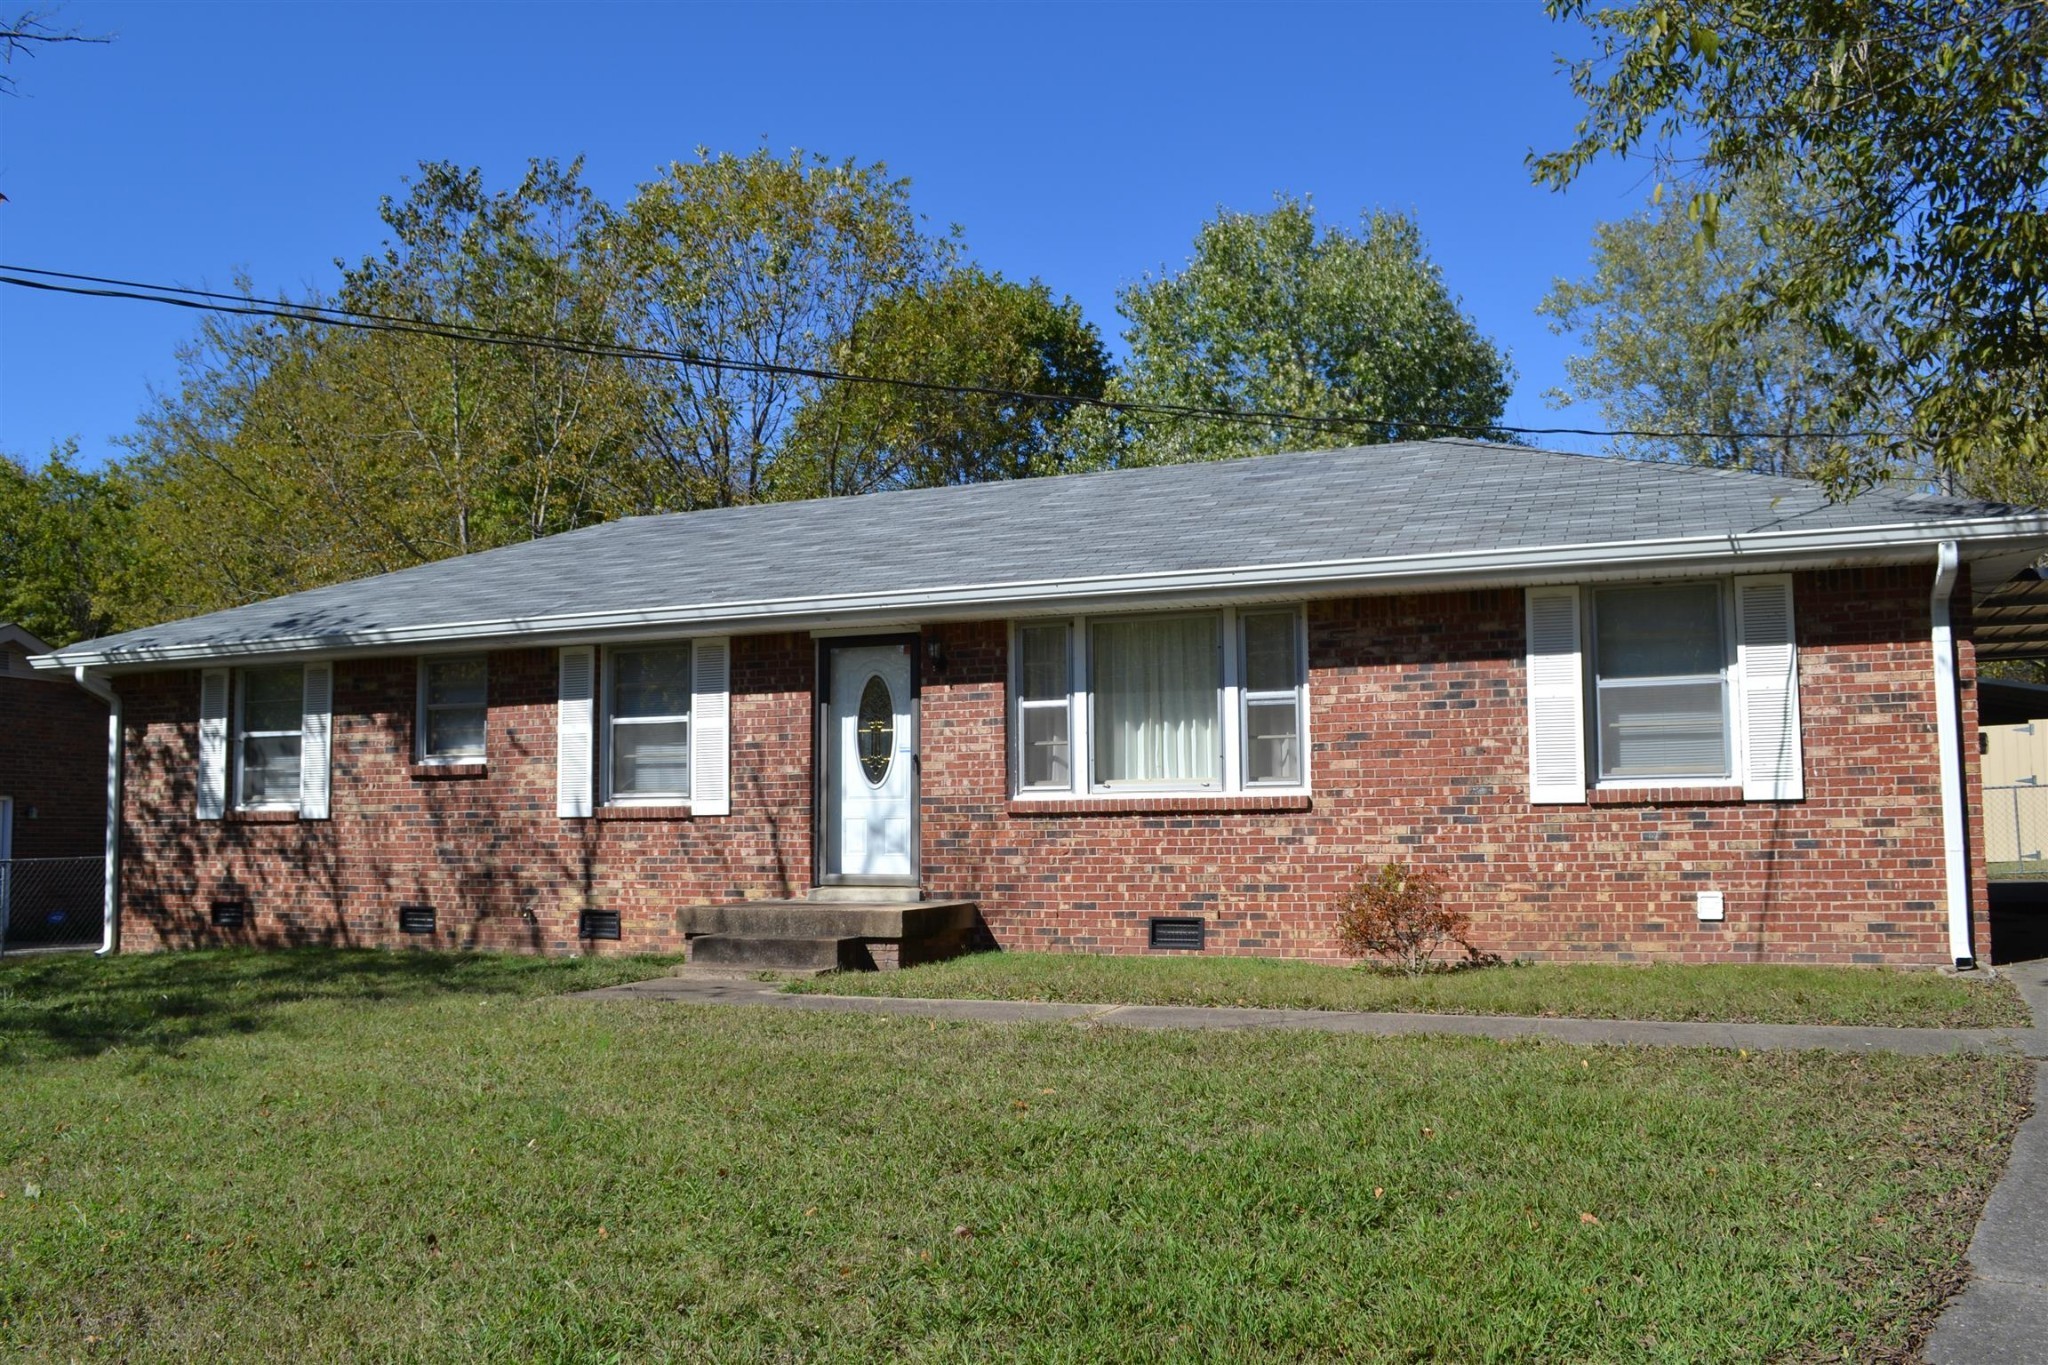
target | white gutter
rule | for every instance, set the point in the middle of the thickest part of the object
(110, 922)
(1467, 568)
(1948, 737)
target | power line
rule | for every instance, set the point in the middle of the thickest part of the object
(328, 315)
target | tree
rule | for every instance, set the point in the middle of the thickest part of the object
(761, 261)
(967, 328)
(1916, 133)
(1276, 312)
(297, 453)
(1661, 356)
(66, 548)
(28, 32)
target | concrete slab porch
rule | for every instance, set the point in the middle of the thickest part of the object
(827, 933)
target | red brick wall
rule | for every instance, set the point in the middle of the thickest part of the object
(53, 758)
(1418, 736)
(1419, 752)
(486, 850)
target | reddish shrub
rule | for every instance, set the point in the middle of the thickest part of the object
(1398, 914)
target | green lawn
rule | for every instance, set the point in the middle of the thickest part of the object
(325, 1156)
(1729, 994)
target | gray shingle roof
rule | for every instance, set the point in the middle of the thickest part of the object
(1341, 505)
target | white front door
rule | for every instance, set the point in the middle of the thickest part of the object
(870, 780)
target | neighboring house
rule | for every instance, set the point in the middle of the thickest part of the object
(53, 802)
(53, 769)
(1629, 711)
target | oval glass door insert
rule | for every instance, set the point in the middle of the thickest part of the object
(875, 731)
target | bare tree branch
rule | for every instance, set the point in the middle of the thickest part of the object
(27, 32)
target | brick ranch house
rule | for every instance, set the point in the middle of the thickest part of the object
(1629, 711)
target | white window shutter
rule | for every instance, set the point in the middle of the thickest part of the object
(315, 741)
(1557, 709)
(711, 728)
(1767, 659)
(213, 743)
(575, 732)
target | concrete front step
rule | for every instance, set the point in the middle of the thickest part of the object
(829, 919)
(760, 953)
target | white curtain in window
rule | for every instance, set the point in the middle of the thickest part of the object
(1155, 685)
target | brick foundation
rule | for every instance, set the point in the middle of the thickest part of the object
(1418, 751)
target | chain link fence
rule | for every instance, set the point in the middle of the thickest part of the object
(51, 902)
(2016, 832)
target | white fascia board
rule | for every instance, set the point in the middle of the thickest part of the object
(1770, 551)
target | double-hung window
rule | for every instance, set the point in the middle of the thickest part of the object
(1661, 685)
(1045, 712)
(1182, 702)
(647, 717)
(269, 731)
(1660, 674)
(1271, 680)
(453, 709)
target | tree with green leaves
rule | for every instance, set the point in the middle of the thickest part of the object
(1914, 133)
(759, 261)
(334, 451)
(66, 547)
(1280, 312)
(966, 328)
(1661, 357)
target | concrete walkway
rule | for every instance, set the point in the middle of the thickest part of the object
(2003, 1315)
(713, 990)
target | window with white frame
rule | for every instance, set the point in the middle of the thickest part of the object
(1661, 664)
(453, 709)
(1155, 688)
(269, 733)
(647, 719)
(1045, 710)
(1168, 702)
(1271, 681)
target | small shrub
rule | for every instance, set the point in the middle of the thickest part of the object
(1398, 914)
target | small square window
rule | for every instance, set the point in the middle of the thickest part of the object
(454, 710)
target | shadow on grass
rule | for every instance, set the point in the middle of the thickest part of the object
(75, 1006)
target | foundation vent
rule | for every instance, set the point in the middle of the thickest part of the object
(229, 914)
(1186, 934)
(416, 919)
(599, 924)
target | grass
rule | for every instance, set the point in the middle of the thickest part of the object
(326, 1156)
(1727, 994)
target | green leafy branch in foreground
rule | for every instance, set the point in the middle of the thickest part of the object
(1911, 137)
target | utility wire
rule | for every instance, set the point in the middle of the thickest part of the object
(241, 305)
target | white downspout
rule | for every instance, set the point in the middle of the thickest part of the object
(1948, 735)
(110, 921)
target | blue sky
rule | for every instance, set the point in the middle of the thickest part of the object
(1082, 144)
